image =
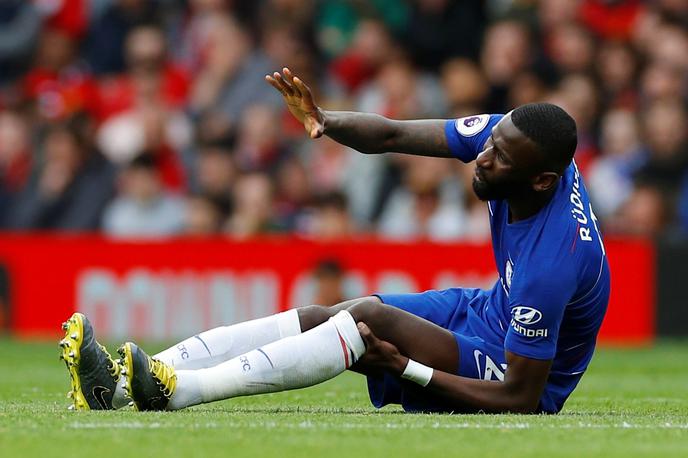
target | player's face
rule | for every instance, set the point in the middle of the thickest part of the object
(506, 165)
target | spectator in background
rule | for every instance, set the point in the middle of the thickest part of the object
(60, 84)
(370, 48)
(337, 22)
(143, 208)
(205, 215)
(441, 29)
(662, 81)
(15, 159)
(107, 34)
(71, 185)
(426, 207)
(506, 53)
(215, 170)
(184, 81)
(253, 206)
(146, 103)
(147, 62)
(230, 78)
(572, 48)
(334, 167)
(293, 195)
(400, 91)
(464, 87)
(611, 175)
(644, 214)
(617, 68)
(330, 219)
(577, 94)
(259, 143)
(20, 27)
(664, 127)
(329, 283)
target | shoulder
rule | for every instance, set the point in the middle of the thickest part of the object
(471, 126)
(466, 136)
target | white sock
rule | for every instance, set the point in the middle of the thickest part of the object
(293, 362)
(218, 345)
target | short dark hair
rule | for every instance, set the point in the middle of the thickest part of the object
(552, 129)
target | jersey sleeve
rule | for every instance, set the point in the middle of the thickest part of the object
(466, 136)
(537, 306)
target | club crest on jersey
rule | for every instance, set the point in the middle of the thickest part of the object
(508, 273)
(472, 125)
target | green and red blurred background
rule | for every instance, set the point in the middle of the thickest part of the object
(150, 177)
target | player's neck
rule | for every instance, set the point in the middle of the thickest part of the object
(527, 205)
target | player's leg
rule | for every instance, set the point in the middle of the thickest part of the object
(413, 334)
(223, 343)
(314, 356)
(293, 362)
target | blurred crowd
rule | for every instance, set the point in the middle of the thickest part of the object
(144, 118)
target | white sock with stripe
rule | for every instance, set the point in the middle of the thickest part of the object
(293, 362)
(221, 344)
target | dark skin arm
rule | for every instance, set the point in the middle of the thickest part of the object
(365, 132)
(520, 391)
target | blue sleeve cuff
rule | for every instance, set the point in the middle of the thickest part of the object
(454, 141)
(544, 353)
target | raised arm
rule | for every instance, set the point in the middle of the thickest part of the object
(365, 132)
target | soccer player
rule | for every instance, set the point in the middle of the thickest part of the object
(521, 346)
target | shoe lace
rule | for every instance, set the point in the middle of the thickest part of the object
(113, 367)
(164, 375)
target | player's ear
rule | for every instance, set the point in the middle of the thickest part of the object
(545, 181)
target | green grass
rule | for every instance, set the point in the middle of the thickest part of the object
(630, 403)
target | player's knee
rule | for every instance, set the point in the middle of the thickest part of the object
(312, 315)
(367, 309)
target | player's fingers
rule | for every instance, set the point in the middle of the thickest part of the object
(289, 77)
(367, 335)
(286, 87)
(274, 84)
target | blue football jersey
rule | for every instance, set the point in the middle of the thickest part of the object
(553, 286)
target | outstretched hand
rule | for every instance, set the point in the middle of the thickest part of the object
(380, 354)
(299, 100)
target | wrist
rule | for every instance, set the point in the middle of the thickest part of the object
(400, 364)
(325, 119)
(417, 373)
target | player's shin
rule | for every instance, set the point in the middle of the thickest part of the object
(221, 344)
(293, 362)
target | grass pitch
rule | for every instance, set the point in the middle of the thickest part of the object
(630, 403)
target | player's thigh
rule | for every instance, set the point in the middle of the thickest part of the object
(446, 308)
(417, 324)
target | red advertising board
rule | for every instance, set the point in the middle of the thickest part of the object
(171, 289)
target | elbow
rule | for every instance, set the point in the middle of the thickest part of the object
(524, 404)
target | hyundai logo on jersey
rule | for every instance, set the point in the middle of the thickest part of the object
(526, 315)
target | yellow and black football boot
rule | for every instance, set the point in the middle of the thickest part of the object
(149, 382)
(92, 371)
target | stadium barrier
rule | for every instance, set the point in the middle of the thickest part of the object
(174, 288)
(672, 271)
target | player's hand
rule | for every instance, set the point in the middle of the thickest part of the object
(299, 100)
(380, 353)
